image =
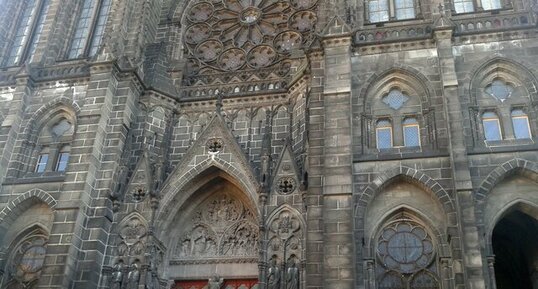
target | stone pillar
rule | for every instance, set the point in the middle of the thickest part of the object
(338, 262)
(470, 240)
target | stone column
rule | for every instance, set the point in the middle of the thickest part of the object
(472, 270)
(338, 262)
(491, 272)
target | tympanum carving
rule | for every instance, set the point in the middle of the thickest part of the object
(222, 226)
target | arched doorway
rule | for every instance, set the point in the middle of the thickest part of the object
(515, 245)
(213, 238)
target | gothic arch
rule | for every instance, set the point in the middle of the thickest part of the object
(60, 105)
(501, 66)
(397, 73)
(415, 176)
(179, 189)
(440, 236)
(523, 206)
(17, 206)
(513, 166)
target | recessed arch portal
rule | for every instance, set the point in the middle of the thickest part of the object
(213, 231)
(514, 242)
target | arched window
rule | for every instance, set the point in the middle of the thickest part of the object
(520, 123)
(386, 10)
(27, 31)
(405, 253)
(384, 134)
(492, 126)
(53, 146)
(89, 28)
(411, 132)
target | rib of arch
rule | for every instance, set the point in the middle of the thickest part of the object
(438, 235)
(184, 185)
(415, 176)
(22, 202)
(49, 109)
(508, 168)
(491, 63)
(411, 74)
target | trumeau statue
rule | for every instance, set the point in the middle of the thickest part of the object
(215, 282)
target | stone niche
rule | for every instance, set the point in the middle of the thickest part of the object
(215, 232)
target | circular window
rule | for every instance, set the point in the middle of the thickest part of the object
(29, 258)
(405, 246)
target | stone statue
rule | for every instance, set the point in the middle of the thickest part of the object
(292, 275)
(133, 277)
(273, 276)
(215, 282)
(117, 276)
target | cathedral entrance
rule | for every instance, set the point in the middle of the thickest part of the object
(214, 238)
(515, 245)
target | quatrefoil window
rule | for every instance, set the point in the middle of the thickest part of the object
(499, 90)
(286, 185)
(395, 99)
(214, 145)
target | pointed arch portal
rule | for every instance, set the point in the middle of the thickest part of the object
(515, 247)
(214, 234)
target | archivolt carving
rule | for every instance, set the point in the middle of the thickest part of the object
(221, 226)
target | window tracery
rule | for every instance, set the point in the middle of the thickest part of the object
(27, 260)
(503, 109)
(405, 252)
(235, 34)
(48, 150)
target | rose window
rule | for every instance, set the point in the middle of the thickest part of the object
(233, 34)
(405, 247)
(406, 257)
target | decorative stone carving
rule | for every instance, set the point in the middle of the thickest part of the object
(221, 33)
(132, 237)
(285, 235)
(292, 274)
(214, 145)
(116, 279)
(222, 226)
(286, 185)
(133, 278)
(215, 282)
(273, 275)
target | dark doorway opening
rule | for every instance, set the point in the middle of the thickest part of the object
(515, 245)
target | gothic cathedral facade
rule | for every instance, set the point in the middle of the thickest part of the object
(269, 144)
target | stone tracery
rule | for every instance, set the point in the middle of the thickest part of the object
(235, 34)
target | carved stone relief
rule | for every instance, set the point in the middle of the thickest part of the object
(284, 250)
(222, 226)
(132, 240)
